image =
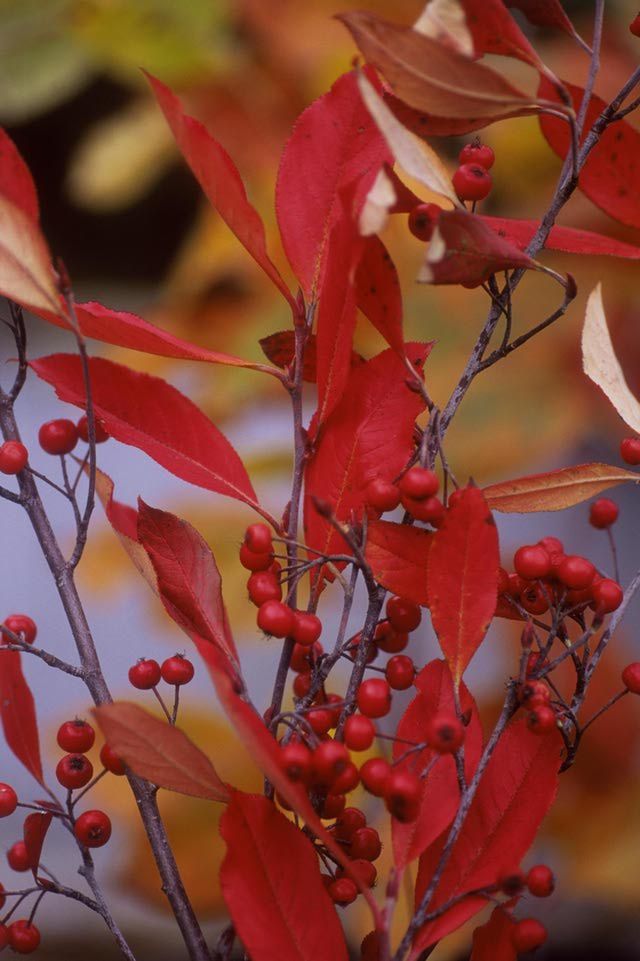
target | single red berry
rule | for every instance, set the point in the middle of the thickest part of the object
(264, 586)
(631, 677)
(374, 697)
(329, 760)
(359, 732)
(296, 761)
(23, 626)
(603, 513)
(307, 628)
(472, 182)
(321, 720)
(445, 733)
(374, 775)
(422, 220)
(531, 562)
(58, 436)
(111, 761)
(275, 618)
(552, 545)
(402, 794)
(534, 694)
(400, 672)
(403, 615)
(76, 737)
(382, 496)
(418, 483)
(634, 26)
(541, 881)
(18, 857)
(255, 562)
(606, 596)
(576, 572)
(630, 451)
(100, 430)
(74, 771)
(13, 457)
(477, 153)
(177, 670)
(535, 598)
(371, 947)
(347, 781)
(527, 935)
(8, 800)
(301, 685)
(511, 882)
(93, 829)
(303, 658)
(145, 674)
(389, 640)
(350, 821)
(364, 870)
(24, 937)
(257, 537)
(333, 806)
(343, 891)
(542, 720)
(365, 843)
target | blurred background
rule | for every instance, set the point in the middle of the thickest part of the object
(128, 219)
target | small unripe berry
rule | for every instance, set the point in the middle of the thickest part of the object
(400, 672)
(631, 677)
(23, 626)
(111, 761)
(374, 698)
(603, 513)
(58, 436)
(403, 614)
(145, 674)
(8, 800)
(630, 451)
(382, 496)
(93, 829)
(527, 935)
(24, 936)
(100, 430)
(74, 771)
(472, 182)
(477, 153)
(359, 732)
(541, 881)
(275, 618)
(76, 737)
(419, 482)
(177, 670)
(445, 733)
(13, 457)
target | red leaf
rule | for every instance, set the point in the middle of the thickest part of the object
(159, 752)
(569, 240)
(334, 146)
(515, 793)
(544, 13)
(16, 182)
(378, 292)
(34, 832)
(26, 273)
(426, 124)
(440, 791)
(492, 941)
(397, 555)
(280, 349)
(148, 413)
(494, 30)
(369, 434)
(463, 578)
(18, 714)
(611, 176)
(124, 521)
(216, 173)
(271, 883)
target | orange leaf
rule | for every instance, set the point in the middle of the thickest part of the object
(555, 490)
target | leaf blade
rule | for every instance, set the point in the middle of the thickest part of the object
(555, 490)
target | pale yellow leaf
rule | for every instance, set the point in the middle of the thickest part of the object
(445, 20)
(26, 274)
(377, 204)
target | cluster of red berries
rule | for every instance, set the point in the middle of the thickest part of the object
(146, 673)
(75, 771)
(56, 437)
(22, 626)
(416, 491)
(472, 180)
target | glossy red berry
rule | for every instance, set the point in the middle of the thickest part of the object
(350, 821)
(76, 737)
(347, 781)
(402, 795)
(258, 538)
(365, 843)
(374, 697)
(13, 457)
(603, 513)
(100, 430)
(606, 596)
(472, 182)
(532, 562)
(374, 775)
(542, 720)
(541, 881)
(403, 615)
(321, 720)
(329, 760)
(418, 483)
(275, 618)
(307, 628)
(58, 436)
(631, 677)
(8, 800)
(23, 626)
(343, 891)
(477, 153)
(93, 829)
(535, 598)
(431, 510)
(382, 496)
(18, 857)
(145, 674)
(177, 670)
(303, 658)
(422, 220)
(445, 733)
(527, 935)
(24, 936)
(576, 572)
(301, 685)
(359, 732)
(534, 694)
(552, 545)
(264, 586)
(364, 870)
(389, 640)
(254, 562)
(296, 761)
(74, 771)
(400, 672)
(111, 761)
(630, 451)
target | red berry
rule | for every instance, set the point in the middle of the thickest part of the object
(400, 672)
(603, 513)
(255, 562)
(93, 829)
(258, 539)
(527, 935)
(445, 733)
(275, 618)
(24, 936)
(382, 496)
(307, 628)
(511, 882)
(634, 26)
(359, 732)
(364, 870)
(541, 881)
(343, 891)
(534, 694)
(552, 545)
(4, 930)
(472, 182)
(329, 760)
(145, 674)
(264, 586)
(23, 626)
(350, 821)
(74, 771)
(18, 857)
(111, 761)
(576, 572)
(631, 677)
(389, 640)
(333, 806)
(365, 843)
(532, 562)
(13, 457)
(402, 795)
(542, 720)
(321, 720)
(403, 615)
(58, 436)
(606, 595)
(177, 670)
(374, 697)
(100, 430)
(8, 800)
(347, 781)
(296, 761)
(303, 658)
(630, 451)
(477, 153)
(535, 599)
(301, 685)
(76, 737)
(419, 483)
(374, 775)
(422, 220)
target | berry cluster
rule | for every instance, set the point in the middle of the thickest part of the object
(57, 437)
(146, 674)
(472, 180)
(416, 491)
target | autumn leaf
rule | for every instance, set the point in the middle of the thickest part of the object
(555, 490)
(280, 349)
(544, 13)
(26, 274)
(423, 124)
(492, 941)
(34, 832)
(18, 714)
(569, 240)
(493, 30)
(377, 205)
(16, 182)
(397, 555)
(124, 521)
(378, 292)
